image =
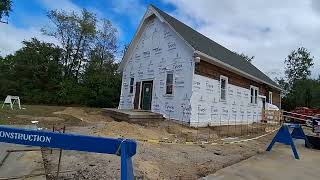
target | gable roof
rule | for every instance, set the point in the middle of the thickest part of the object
(207, 46)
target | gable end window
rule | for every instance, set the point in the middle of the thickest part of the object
(169, 83)
(131, 85)
(223, 88)
(270, 97)
(254, 95)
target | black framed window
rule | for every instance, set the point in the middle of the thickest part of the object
(223, 88)
(169, 83)
(254, 92)
(131, 85)
(270, 97)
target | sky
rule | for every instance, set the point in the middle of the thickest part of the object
(268, 30)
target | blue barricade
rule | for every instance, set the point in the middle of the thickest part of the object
(283, 136)
(122, 147)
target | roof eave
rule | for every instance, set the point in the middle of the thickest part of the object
(238, 71)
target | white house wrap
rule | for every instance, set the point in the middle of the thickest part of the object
(159, 75)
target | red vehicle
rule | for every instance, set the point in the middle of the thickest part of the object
(302, 115)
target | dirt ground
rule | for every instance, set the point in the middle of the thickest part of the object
(152, 161)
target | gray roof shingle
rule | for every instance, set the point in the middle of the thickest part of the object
(205, 45)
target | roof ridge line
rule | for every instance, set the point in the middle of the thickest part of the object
(240, 60)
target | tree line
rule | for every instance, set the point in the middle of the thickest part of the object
(80, 70)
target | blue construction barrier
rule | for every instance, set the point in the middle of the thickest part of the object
(122, 147)
(283, 136)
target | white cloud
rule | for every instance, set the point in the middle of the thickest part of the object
(11, 38)
(316, 5)
(268, 30)
(66, 5)
(134, 9)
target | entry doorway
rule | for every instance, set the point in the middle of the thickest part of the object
(263, 98)
(137, 96)
(146, 95)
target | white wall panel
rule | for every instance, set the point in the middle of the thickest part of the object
(195, 99)
(207, 109)
(158, 51)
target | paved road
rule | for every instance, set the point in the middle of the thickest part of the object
(277, 164)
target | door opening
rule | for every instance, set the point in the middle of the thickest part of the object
(136, 96)
(146, 95)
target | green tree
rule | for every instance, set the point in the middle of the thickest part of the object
(7, 79)
(5, 8)
(76, 34)
(81, 70)
(298, 88)
(36, 70)
(305, 92)
(101, 77)
(298, 64)
(103, 83)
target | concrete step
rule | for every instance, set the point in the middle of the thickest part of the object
(132, 115)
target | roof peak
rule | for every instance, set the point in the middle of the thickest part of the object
(211, 48)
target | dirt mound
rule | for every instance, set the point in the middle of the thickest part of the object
(112, 128)
(130, 130)
(80, 113)
(34, 118)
